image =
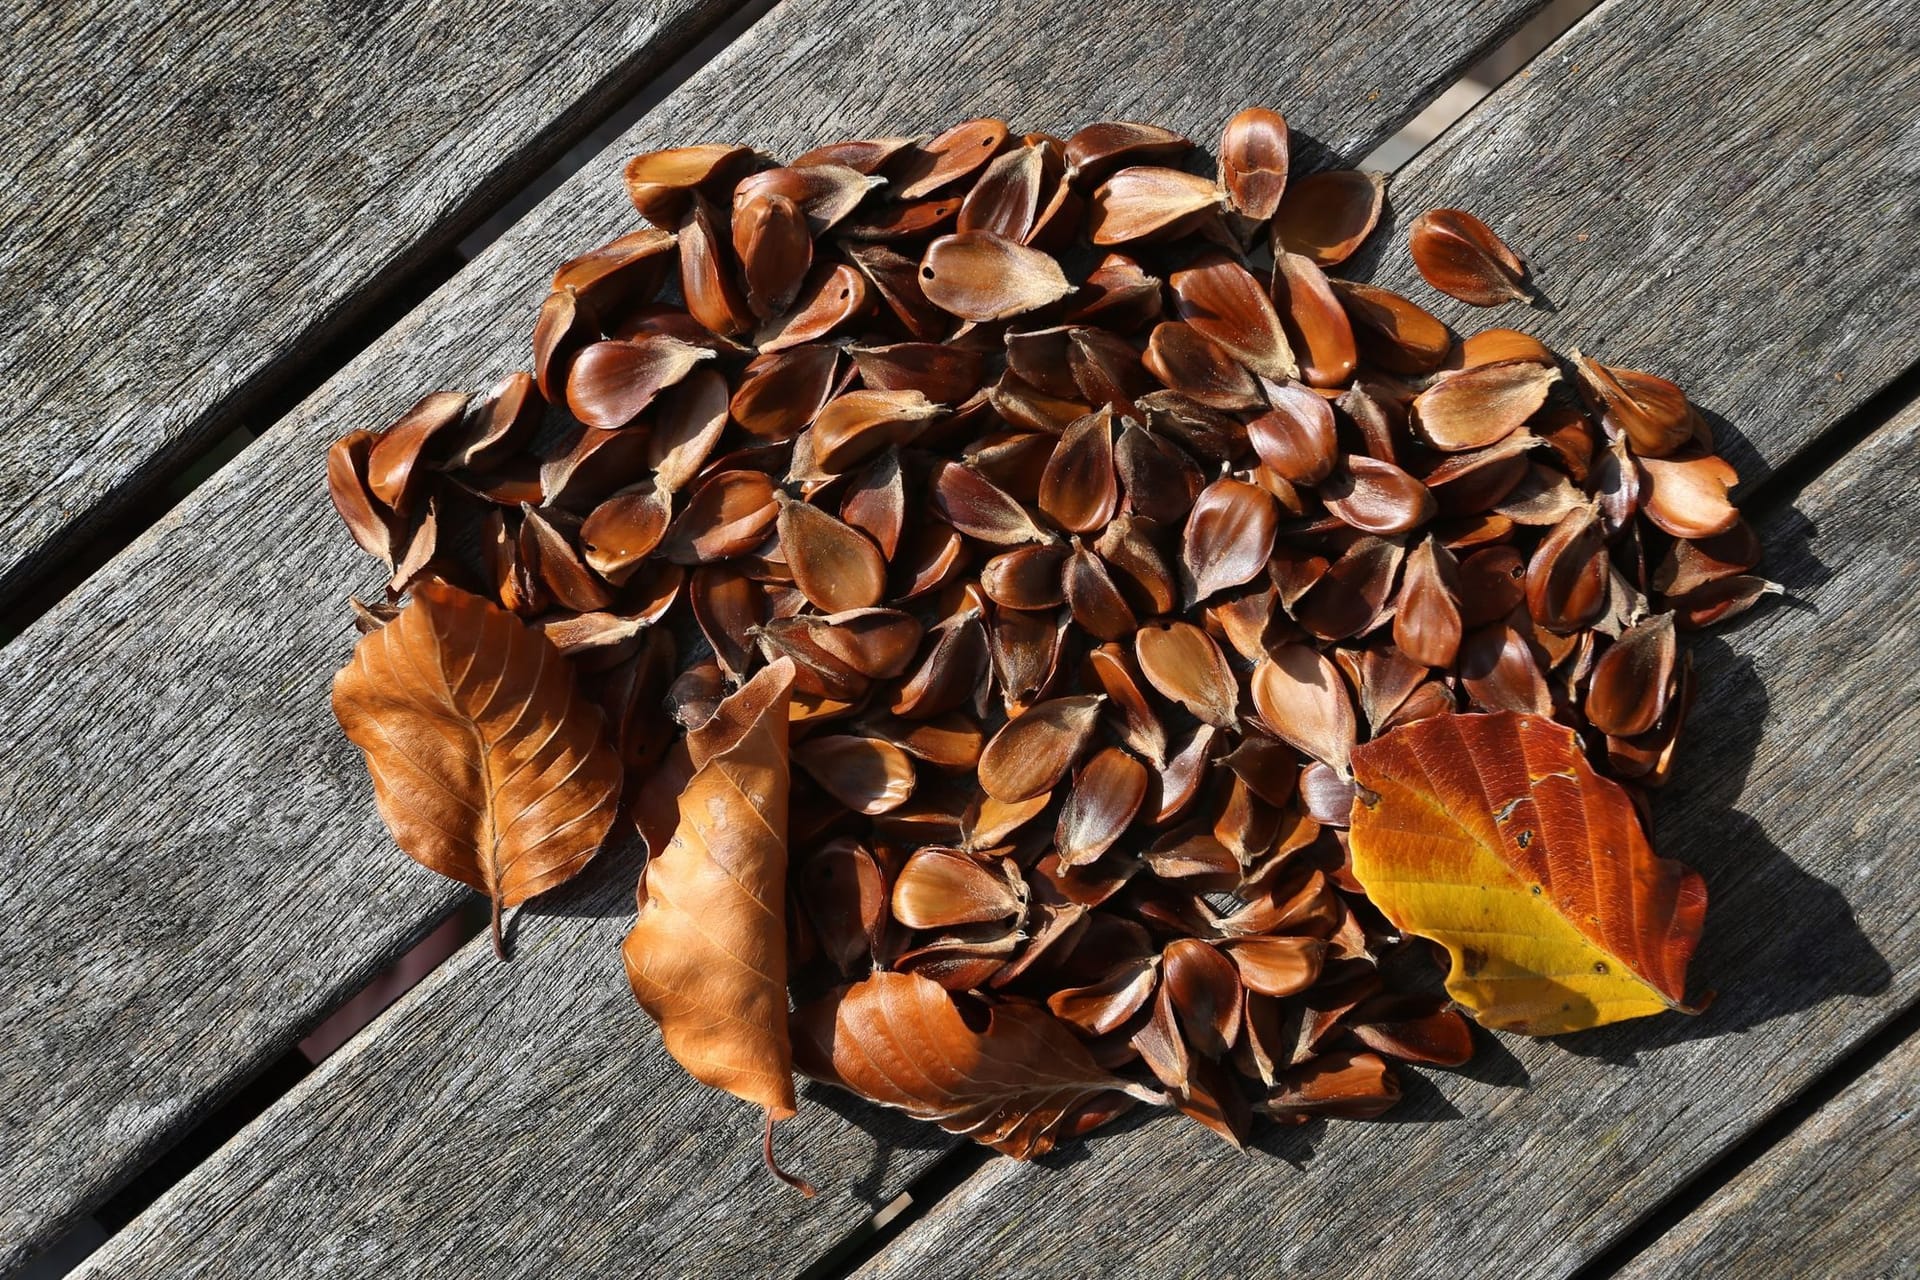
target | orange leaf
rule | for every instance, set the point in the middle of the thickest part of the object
(488, 765)
(708, 955)
(899, 1039)
(1493, 836)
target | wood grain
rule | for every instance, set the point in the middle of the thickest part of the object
(1834, 1198)
(199, 195)
(166, 749)
(1723, 193)
(1794, 799)
(1680, 229)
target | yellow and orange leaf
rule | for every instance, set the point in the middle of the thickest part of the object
(1493, 836)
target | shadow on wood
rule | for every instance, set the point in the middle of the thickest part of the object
(1778, 940)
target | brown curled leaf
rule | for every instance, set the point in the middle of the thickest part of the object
(707, 956)
(1493, 836)
(1012, 1085)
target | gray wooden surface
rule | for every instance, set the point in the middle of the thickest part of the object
(194, 885)
(1793, 800)
(1725, 192)
(1835, 1198)
(197, 195)
(1535, 1182)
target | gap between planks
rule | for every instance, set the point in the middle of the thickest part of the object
(1829, 448)
(359, 1011)
(258, 409)
(1742, 1155)
(384, 302)
(1778, 489)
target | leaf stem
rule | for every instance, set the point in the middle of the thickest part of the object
(499, 947)
(801, 1185)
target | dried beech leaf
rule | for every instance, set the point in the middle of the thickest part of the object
(707, 956)
(1012, 1086)
(1459, 255)
(488, 765)
(1494, 837)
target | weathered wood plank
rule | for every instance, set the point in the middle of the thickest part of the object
(1740, 311)
(225, 828)
(197, 194)
(1835, 1198)
(1724, 193)
(1795, 800)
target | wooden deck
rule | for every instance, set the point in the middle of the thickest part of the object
(208, 202)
